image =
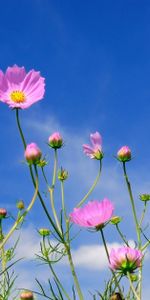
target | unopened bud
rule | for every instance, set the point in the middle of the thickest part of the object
(32, 154)
(134, 277)
(42, 163)
(55, 140)
(26, 295)
(3, 213)
(124, 154)
(115, 220)
(144, 197)
(116, 296)
(44, 231)
(62, 174)
(20, 205)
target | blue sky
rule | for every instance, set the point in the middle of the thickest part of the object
(95, 57)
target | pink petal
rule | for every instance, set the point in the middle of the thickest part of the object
(3, 83)
(87, 149)
(96, 139)
(15, 74)
(31, 82)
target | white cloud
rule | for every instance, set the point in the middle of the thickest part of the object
(92, 257)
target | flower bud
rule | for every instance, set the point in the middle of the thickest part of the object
(20, 205)
(26, 295)
(32, 153)
(62, 174)
(124, 154)
(115, 220)
(134, 277)
(55, 140)
(3, 213)
(42, 163)
(144, 197)
(116, 296)
(44, 231)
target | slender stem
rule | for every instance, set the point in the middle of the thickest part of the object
(54, 210)
(143, 213)
(33, 180)
(20, 129)
(63, 200)
(133, 205)
(145, 246)
(92, 187)
(51, 191)
(68, 251)
(55, 168)
(107, 253)
(132, 287)
(74, 273)
(3, 268)
(121, 235)
(105, 245)
(138, 231)
(2, 257)
(45, 178)
(53, 272)
(21, 218)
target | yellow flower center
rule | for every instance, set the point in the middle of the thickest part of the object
(17, 97)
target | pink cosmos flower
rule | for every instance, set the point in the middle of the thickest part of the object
(55, 140)
(32, 153)
(19, 89)
(125, 259)
(95, 150)
(94, 214)
(124, 154)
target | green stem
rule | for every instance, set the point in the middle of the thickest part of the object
(33, 180)
(55, 168)
(121, 235)
(53, 272)
(74, 273)
(63, 200)
(143, 214)
(145, 246)
(138, 231)
(133, 205)
(92, 187)
(132, 287)
(107, 253)
(51, 191)
(2, 257)
(45, 178)
(20, 129)
(21, 218)
(54, 210)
